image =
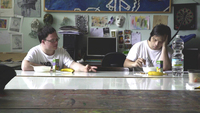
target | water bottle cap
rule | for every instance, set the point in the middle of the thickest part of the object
(177, 36)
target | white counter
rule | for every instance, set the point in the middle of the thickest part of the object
(123, 80)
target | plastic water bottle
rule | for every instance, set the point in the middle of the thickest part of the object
(177, 57)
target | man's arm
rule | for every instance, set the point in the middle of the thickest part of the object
(26, 65)
(138, 63)
(164, 56)
(79, 67)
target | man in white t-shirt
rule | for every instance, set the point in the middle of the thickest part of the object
(47, 50)
(147, 52)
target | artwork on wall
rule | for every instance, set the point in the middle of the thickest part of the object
(106, 32)
(160, 19)
(113, 32)
(98, 21)
(6, 4)
(6, 8)
(136, 37)
(120, 36)
(4, 37)
(127, 36)
(160, 6)
(65, 21)
(139, 22)
(15, 24)
(127, 39)
(120, 19)
(96, 32)
(17, 42)
(35, 24)
(3, 23)
(82, 23)
(185, 15)
(48, 19)
(27, 8)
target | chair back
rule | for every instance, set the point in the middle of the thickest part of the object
(113, 59)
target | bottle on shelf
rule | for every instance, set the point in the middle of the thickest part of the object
(177, 57)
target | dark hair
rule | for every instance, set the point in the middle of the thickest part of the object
(44, 32)
(161, 30)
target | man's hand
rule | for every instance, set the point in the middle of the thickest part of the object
(165, 43)
(79, 67)
(89, 68)
(139, 62)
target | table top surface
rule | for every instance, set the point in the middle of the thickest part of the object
(104, 91)
(11, 64)
(99, 101)
(121, 80)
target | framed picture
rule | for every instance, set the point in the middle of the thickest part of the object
(3, 23)
(6, 8)
(15, 24)
(108, 6)
(28, 8)
(113, 33)
(16, 42)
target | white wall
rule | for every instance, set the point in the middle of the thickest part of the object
(30, 42)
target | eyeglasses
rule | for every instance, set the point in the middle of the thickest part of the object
(53, 40)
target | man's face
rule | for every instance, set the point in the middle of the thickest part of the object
(156, 42)
(51, 41)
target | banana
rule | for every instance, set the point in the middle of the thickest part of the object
(67, 69)
(154, 73)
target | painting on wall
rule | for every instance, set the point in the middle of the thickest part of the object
(160, 6)
(17, 42)
(98, 21)
(28, 8)
(6, 8)
(139, 22)
(160, 19)
(3, 23)
(15, 24)
(82, 23)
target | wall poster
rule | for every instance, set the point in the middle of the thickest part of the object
(82, 23)
(146, 6)
(28, 8)
(6, 8)
(16, 42)
(139, 22)
(98, 21)
(3, 23)
(15, 24)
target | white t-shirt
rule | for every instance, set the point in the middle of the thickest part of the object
(142, 50)
(36, 55)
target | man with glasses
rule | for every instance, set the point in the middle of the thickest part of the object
(47, 50)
